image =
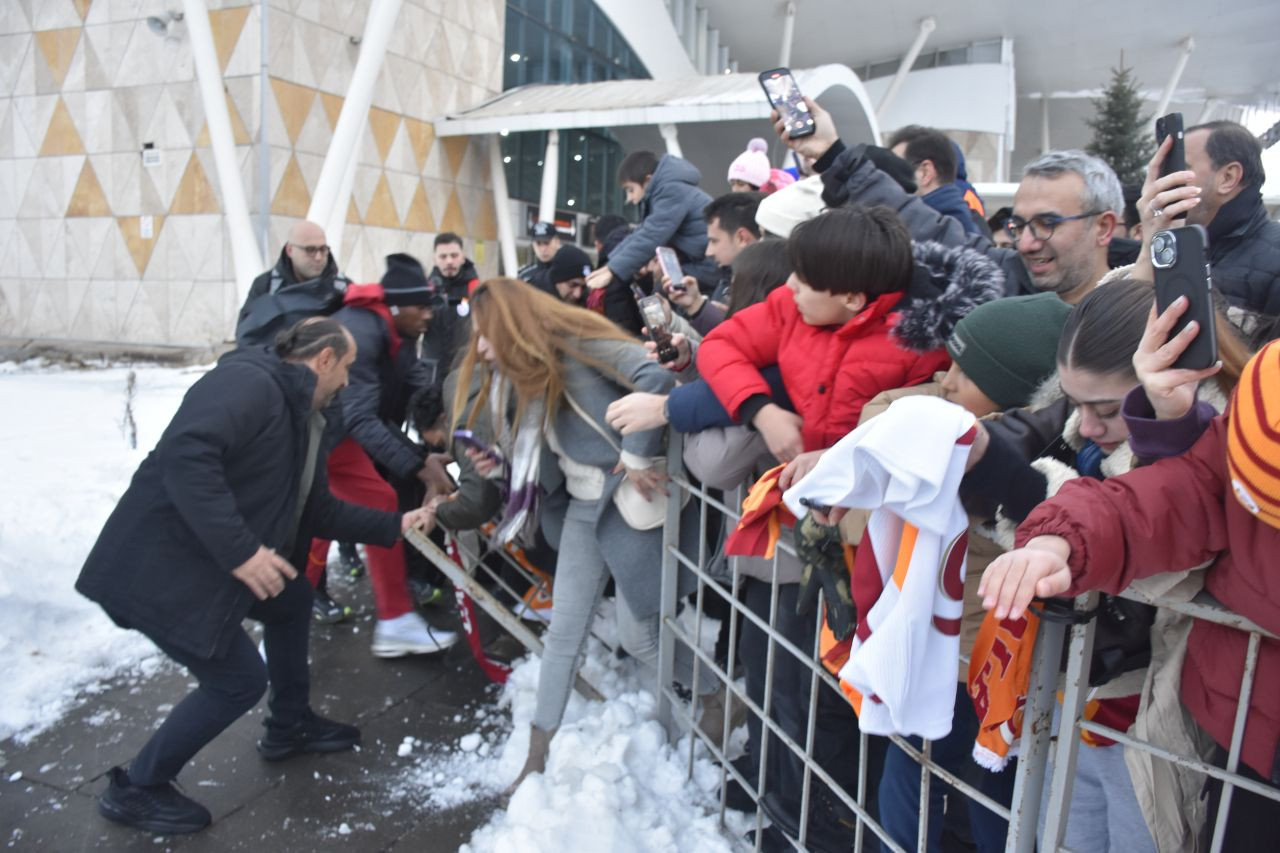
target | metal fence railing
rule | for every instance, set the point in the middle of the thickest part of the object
(494, 579)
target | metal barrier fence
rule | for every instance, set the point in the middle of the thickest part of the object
(477, 577)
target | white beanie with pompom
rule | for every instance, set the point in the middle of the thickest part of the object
(751, 165)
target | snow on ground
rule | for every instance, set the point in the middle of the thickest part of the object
(67, 460)
(612, 781)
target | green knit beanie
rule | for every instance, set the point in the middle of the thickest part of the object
(1008, 346)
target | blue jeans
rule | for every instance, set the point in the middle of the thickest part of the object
(900, 786)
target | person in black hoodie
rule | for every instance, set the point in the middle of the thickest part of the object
(305, 282)
(452, 280)
(207, 534)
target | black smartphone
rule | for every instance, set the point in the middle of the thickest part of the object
(1176, 159)
(468, 439)
(1181, 260)
(655, 320)
(783, 93)
(671, 267)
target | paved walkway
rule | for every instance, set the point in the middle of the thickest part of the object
(366, 800)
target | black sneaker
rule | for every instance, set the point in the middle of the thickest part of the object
(324, 609)
(161, 809)
(312, 733)
(349, 560)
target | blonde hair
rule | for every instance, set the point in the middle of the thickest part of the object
(530, 333)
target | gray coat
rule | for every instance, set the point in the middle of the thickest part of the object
(633, 556)
(672, 212)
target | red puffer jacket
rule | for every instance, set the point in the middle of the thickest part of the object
(1181, 512)
(829, 372)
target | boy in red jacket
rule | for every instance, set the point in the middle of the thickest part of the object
(860, 315)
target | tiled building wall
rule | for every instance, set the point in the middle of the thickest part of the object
(96, 246)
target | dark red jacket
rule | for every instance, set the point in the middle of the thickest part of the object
(1176, 514)
(829, 372)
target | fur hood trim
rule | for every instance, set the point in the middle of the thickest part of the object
(949, 282)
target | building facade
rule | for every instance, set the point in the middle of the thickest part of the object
(111, 223)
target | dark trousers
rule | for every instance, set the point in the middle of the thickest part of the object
(232, 683)
(1251, 820)
(836, 725)
(900, 787)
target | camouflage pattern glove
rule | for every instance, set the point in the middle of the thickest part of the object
(821, 551)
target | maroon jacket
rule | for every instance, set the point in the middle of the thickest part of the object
(1176, 514)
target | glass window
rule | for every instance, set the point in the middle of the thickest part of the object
(986, 51)
(954, 56)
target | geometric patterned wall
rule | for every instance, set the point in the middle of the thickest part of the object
(95, 246)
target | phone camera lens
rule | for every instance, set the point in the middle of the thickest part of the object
(1164, 250)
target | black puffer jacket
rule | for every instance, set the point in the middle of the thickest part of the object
(1244, 254)
(450, 323)
(222, 481)
(852, 177)
(277, 300)
(376, 400)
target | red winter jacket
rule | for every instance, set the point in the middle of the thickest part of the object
(1178, 513)
(829, 372)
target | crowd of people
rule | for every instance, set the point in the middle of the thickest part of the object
(809, 305)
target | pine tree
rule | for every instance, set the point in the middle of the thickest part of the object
(1121, 135)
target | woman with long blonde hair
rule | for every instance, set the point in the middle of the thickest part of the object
(547, 373)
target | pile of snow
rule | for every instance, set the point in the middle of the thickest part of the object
(613, 782)
(67, 461)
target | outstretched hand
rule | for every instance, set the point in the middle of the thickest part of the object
(265, 573)
(1037, 570)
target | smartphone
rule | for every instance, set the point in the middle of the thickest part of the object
(783, 93)
(655, 320)
(467, 438)
(1181, 260)
(1176, 159)
(671, 267)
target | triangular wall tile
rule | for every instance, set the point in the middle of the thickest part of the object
(227, 24)
(456, 149)
(419, 216)
(383, 125)
(292, 198)
(140, 248)
(194, 193)
(402, 186)
(86, 238)
(400, 156)
(82, 7)
(61, 136)
(421, 136)
(485, 226)
(381, 212)
(453, 219)
(316, 134)
(332, 108)
(52, 14)
(88, 199)
(13, 54)
(353, 215)
(294, 103)
(92, 113)
(49, 190)
(57, 47)
(96, 74)
(239, 133)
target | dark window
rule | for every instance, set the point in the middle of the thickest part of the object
(565, 41)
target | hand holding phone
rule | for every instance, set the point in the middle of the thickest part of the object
(468, 439)
(670, 265)
(655, 320)
(1181, 264)
(780, 88)
(1170, 126)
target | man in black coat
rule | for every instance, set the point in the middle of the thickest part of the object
(452, 280)
(206, 535)
(305, 282)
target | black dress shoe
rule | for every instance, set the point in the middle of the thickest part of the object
(311, 733)
(161, 809)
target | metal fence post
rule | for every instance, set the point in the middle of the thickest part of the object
(670, 583)
(1034, 747)
(1079, 657)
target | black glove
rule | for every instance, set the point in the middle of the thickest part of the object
(821, 551)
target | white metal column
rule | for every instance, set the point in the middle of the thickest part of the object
(1185, 50)
(927, 26)
(336, 224)
(550, 177)
(355, 108)
(244, 245)
(671, 136)
(788, 35)
(502, 206)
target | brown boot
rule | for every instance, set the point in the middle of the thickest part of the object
(711, 720)
(536, 762)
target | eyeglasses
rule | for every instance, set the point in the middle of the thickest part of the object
(1042, 226)
(312, 251)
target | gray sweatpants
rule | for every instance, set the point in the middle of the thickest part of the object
(581, 576)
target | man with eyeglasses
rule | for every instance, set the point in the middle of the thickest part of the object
(1064, 216)
(305, 282)
(1074, 200)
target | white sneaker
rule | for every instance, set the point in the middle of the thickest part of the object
(409, 634)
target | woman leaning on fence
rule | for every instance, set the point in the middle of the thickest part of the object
(549, 371)
(1220, 502)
